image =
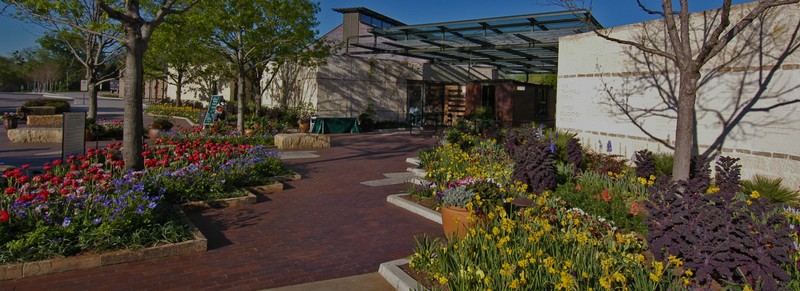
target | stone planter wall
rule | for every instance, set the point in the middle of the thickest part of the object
(45, 120)
(293, 141)
(45, 135)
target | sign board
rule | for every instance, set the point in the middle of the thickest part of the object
(73, 139)
(84, 85)
(212, 105)
(114, 84)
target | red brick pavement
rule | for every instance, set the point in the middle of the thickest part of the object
(326, 226)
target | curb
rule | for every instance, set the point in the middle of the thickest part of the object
(397, 200)
(396, 277)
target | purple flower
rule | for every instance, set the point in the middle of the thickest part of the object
(66, 222)
(151, 205)
(97, 220)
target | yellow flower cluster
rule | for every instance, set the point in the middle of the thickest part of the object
(646, 182)
(486, 160)
(545, 247)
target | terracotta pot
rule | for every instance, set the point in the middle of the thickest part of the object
(305, 127)
(455, 222)
(248, 132)
(10, 123)
(154, 133)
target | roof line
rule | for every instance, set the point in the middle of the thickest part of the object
(523, 16)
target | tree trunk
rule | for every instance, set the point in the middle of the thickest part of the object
(134, 81)
(179, 85)
(685, 128)
(240, 93)
(92, 91)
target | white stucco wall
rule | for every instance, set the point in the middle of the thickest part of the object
(592, 69)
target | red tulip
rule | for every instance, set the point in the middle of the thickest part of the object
(26, 166)
(4, 215)
(11, 190)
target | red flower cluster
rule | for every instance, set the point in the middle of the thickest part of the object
(66, 178)
(181, 153)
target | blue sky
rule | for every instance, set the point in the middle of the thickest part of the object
(15, 35)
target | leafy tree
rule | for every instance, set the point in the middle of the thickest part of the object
(138, 20)
(685, 51)
(176, 52)
(252, 34)
(10, 79)
(87, 37)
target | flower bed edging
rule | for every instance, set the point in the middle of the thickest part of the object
(397, 199)
(267, 189)
(391, 272)
(293, 177)
(30, 269)
(250, 198)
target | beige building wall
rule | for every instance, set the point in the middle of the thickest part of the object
(598, 78)
(345, 85)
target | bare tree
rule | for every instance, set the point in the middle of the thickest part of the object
(676, 63)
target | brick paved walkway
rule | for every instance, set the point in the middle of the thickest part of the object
(326, 226)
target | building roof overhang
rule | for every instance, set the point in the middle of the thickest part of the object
(513, 44)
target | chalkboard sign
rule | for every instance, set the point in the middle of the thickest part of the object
(73, 139)
(212, 105)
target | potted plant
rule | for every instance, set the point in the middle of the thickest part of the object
(306, 111)
(159, 125)
(456, 202)
(249, 127)
(10, 119)
(93, 130)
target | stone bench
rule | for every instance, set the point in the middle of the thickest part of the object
(45, 135)
(294, 141)
(45, 120)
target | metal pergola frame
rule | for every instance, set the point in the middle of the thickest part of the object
(513, 44)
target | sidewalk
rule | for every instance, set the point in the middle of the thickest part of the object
(326, 226)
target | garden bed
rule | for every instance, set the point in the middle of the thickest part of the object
(37, 268)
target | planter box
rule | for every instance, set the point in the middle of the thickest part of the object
(250, 198)
(30, 269)
(266, 189)
(391, 272)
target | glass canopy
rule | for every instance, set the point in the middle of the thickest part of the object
(513, 44)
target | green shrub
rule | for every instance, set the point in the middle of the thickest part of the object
(771, 189)
(60, 105)
(663, 162)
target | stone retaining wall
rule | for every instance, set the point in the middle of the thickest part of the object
(45, 135)
(293, 141)
(55, 120)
